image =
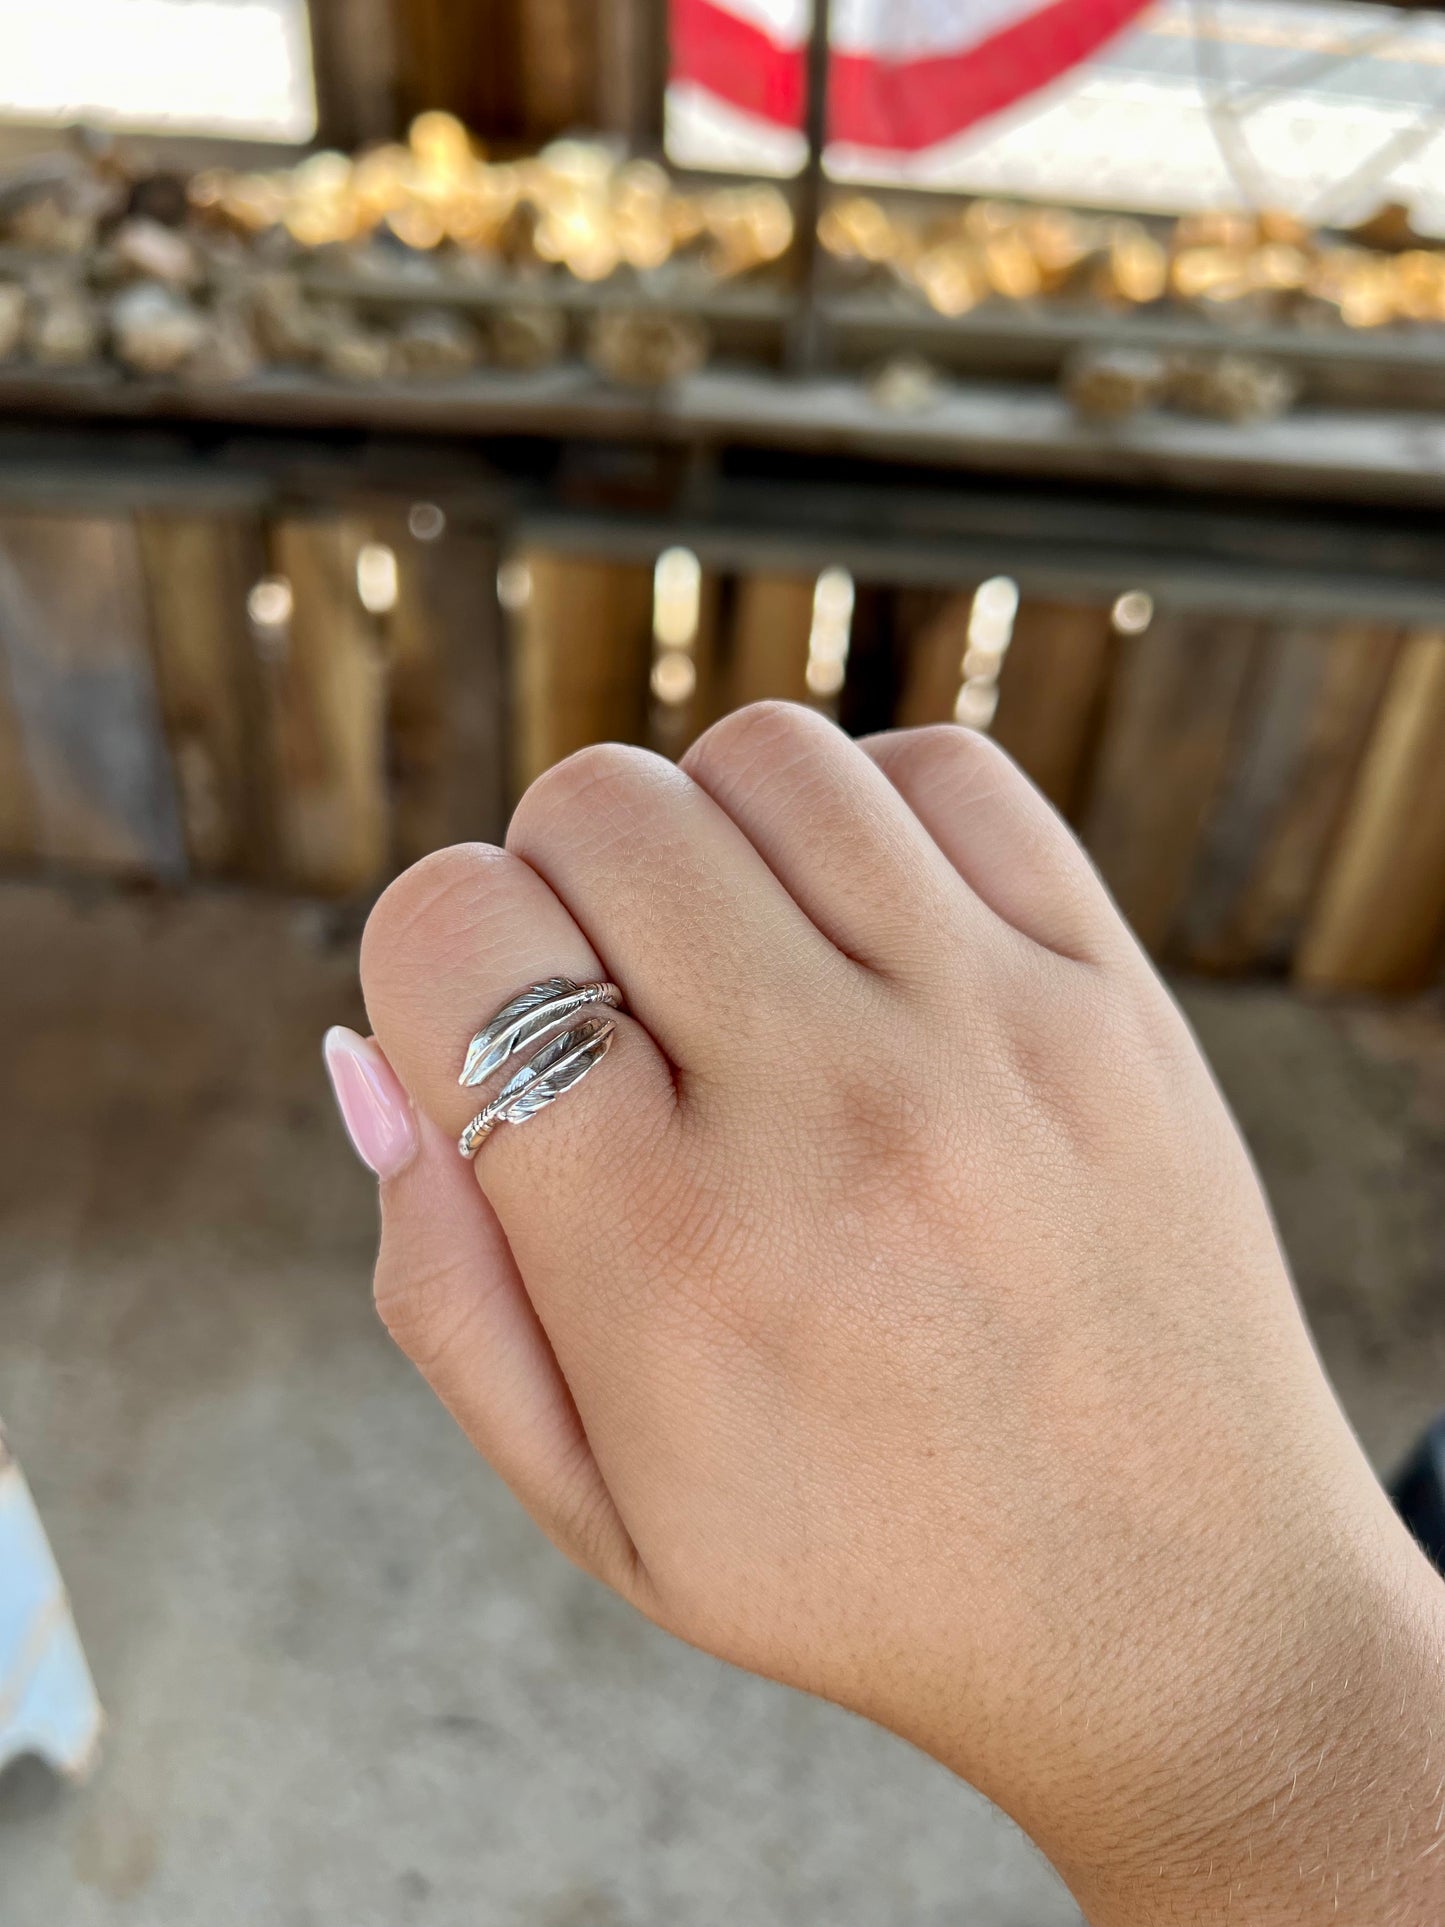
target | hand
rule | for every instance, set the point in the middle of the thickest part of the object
(895, 1311)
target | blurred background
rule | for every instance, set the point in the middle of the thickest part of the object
(396, 396)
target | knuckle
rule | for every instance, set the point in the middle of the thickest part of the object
(425, 1310)
(428, 906)
(949, 759)
(605, 779)
(767, 729)
(583, 1521)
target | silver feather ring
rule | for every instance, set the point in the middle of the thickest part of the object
(562, 1062)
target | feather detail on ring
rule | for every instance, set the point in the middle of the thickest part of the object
(555, 1069)
(514, 1026)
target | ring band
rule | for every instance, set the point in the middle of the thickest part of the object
(562, 1062)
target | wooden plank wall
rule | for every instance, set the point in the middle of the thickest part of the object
(98, 777)
(1260, 795)
(153, 728)
(1312, 709)
(325, 711)
(936, 629)
(1379, 916)
(445, 724)
(1052, 695)
(582, 656)
(1170, 723)
(767, 660)
(198, 572)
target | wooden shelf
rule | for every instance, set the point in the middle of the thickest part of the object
(1403, 364)
(989, 427)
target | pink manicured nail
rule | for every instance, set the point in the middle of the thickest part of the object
(374, 1108)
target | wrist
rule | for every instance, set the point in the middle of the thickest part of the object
(1305, 1782)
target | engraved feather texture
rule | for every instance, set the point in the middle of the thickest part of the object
(527, 1016)
(559, 1065)
(555, 1069)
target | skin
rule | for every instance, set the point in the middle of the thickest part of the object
(896, 1313)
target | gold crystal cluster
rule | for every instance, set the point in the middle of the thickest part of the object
(425, 259)
(415, 261)
(1266, 265)
(576, 205)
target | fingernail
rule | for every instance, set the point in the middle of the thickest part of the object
(374, 1108)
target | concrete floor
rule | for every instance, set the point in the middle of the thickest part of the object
(348, 1685)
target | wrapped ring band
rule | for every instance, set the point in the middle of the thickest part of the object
(538, 1009)
(556, 1067)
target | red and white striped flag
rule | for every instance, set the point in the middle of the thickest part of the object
(904, 74)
